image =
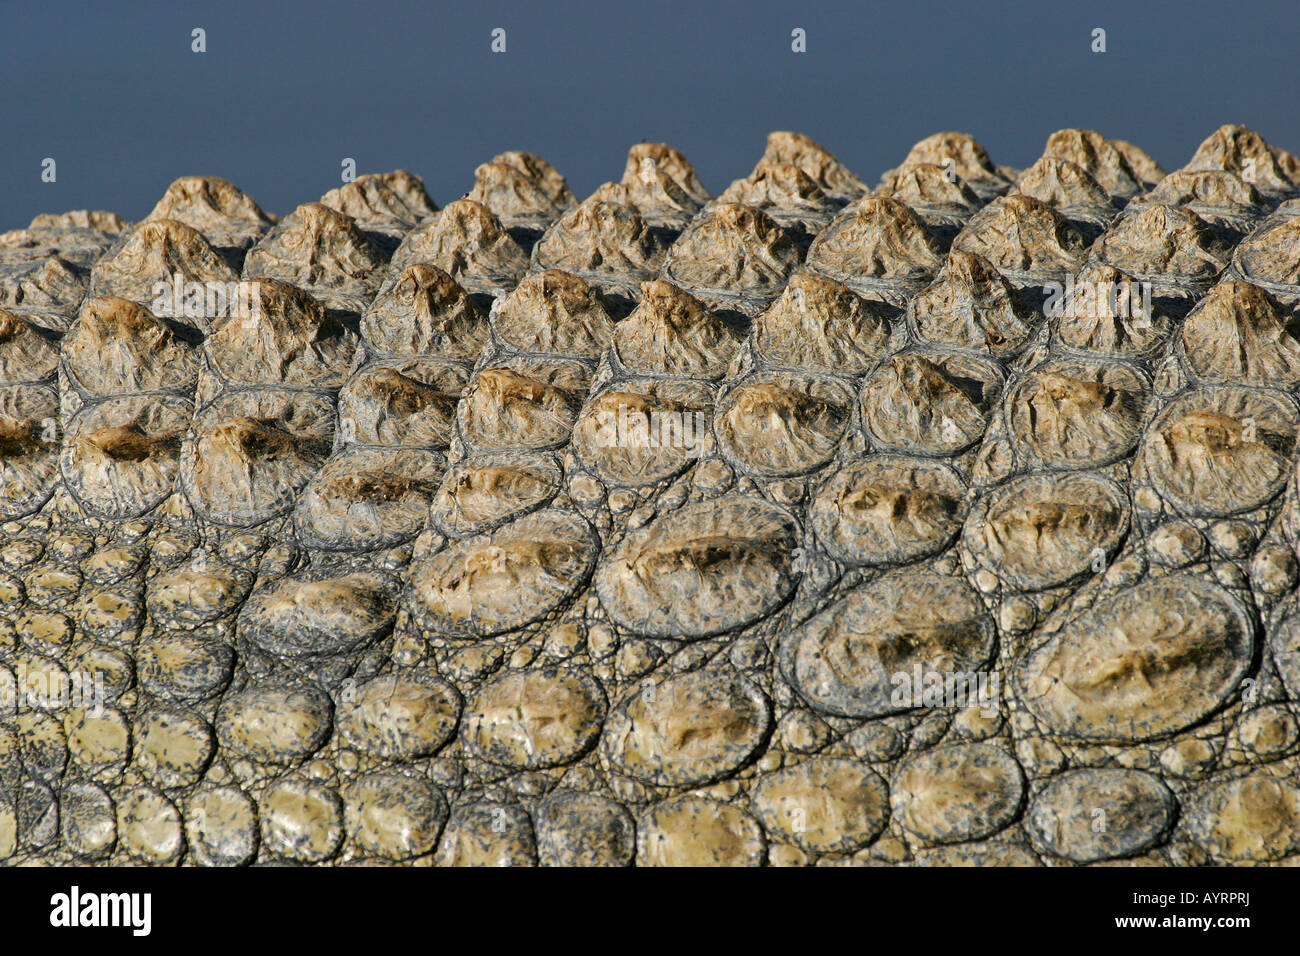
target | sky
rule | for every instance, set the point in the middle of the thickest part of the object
(287, 90)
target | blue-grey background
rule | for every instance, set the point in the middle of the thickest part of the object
(288, 88)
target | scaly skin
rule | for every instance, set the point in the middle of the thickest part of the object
(418, 556)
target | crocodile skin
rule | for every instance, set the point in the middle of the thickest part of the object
(947, 522)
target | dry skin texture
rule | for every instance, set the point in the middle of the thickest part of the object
(799, 525)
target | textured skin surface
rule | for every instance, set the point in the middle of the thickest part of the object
(800, 525)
